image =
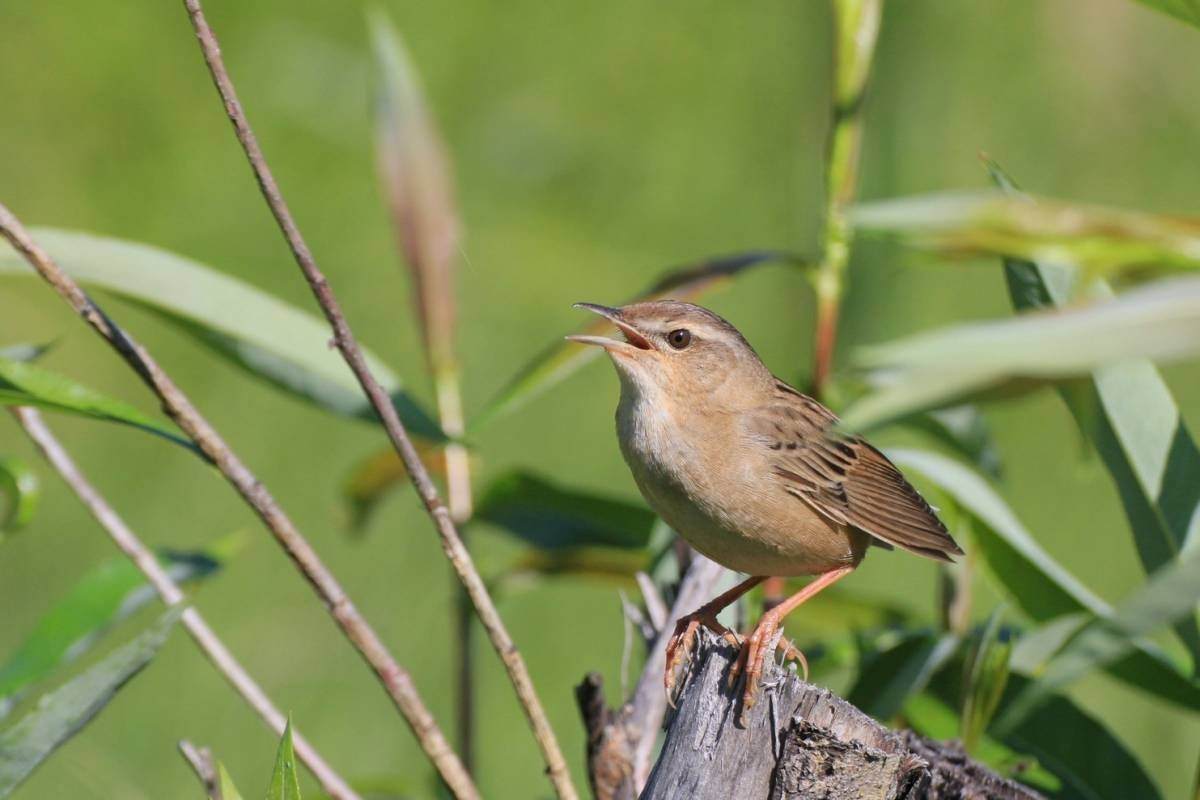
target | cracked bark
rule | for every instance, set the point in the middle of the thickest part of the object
(799, 741)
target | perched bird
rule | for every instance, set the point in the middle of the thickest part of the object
(751, 472)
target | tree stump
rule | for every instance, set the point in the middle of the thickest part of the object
(801, 741)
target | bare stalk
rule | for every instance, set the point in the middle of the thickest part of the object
(346, 343)
(395, 679)
(201, 761)
(856, 26)
(208, 641)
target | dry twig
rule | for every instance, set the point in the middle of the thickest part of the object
(201, 761)
(179, 408)
(204, 636)
(346, 343)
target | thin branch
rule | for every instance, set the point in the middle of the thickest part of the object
(201, 761)
(856, 27)
(345, 342)
(649, 702)
(208, 641)
(179, 408)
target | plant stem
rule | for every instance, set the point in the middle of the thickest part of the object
(206, 639)
(458, 498)
(394, 678)
(346, 343)
(856, 26)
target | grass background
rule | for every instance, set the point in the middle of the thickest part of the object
(594, 145)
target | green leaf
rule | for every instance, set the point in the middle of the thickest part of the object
(25, 352)
(933, 719)
(61, 715)
(612, 563)
(561, 359)
(24, 384)
(1101, 240)
(285, 784)
(1090, 760)
(985, 678)
(1159, 321)
(1169, 594)
(1032, 580)
(553, 518)
(964, 431)
(106, 595)
(890, 677)
(1185, 10)
(1126, 410)
(20, 487)
(271, 339)
(229, 790)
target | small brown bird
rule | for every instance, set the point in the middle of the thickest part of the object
(751, 472)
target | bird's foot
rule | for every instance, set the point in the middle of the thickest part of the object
(763, 642)
(683, 643)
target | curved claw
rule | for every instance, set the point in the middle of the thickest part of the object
(683, 643)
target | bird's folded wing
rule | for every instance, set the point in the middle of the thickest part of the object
(846, 479)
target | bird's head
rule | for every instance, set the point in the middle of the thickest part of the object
(679, 350)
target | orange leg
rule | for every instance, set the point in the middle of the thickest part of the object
(756, 648)
(679, 649)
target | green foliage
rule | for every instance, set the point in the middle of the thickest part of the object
(1186, 10)
(111, 592)
(984, 679)
(21, 490)
(229, 790)
(24, 384)
(262, 334)
(285, 785)
(61, 715)
(888, 678)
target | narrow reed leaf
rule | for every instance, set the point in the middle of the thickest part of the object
(1128, 413)
(1184, 10)
(229, 790)
(1159, 321)
(562, 359)
(270, 339)
(61, 715)
(887, 679)
(1033, 581)
(108, 594)
(990, 223)
(551, 517)
(984, 678)
(285, 784)
(20, 492)
(24, 384)
(415, 176)
(381, 472)
(964, 431)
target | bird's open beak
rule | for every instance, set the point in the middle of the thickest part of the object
(634, 340)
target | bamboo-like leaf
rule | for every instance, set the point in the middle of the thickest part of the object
(1101, 240)
(104, 596)
(890, 677)
(562, 359)
(258, 332)
(934, 719)
(1033, 581)
(1126, 410)
(985, 676)
(61, 715)
(285, 784)
(612, 563)
(1169, 594)
(21, 491)
(1184, 10)
(24, 384)
(551, 517)
(964, 430)
(381, 472)
(1160, 321)
(229, 790)
(415, 176)
(1088, 758)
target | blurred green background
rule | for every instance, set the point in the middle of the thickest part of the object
(594, 145)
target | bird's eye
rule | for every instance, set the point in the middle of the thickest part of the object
(680, 338)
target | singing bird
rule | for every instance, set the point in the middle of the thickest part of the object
(751, 472)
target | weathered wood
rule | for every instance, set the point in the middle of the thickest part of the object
(801, 741)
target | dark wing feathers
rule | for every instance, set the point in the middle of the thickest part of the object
(846, 479)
